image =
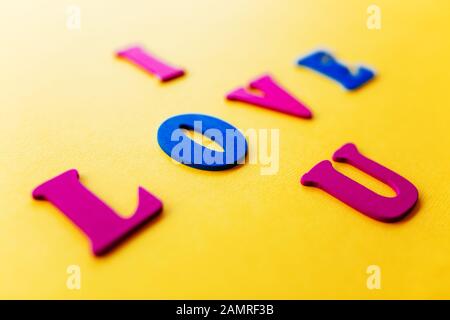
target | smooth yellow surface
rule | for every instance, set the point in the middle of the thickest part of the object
(67, 102)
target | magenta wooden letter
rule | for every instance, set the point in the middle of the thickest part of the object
(100, 223)
(148, 62)
(273, 97)
(378, 207)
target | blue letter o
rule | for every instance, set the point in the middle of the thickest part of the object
(191, 153)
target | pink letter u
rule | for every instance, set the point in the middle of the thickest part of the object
(386, 209)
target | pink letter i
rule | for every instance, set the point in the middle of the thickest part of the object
(148, 62)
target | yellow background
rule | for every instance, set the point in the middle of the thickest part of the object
(67, 102)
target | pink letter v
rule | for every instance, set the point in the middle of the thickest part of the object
(273, 97)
